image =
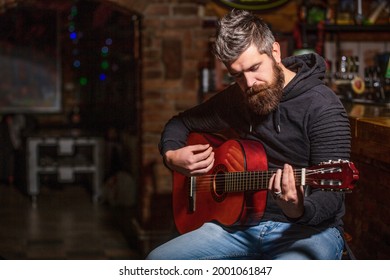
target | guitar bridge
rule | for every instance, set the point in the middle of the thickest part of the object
(192, 194)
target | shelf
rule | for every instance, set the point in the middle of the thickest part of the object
(350, 28)
(66, 157)
(364, 102)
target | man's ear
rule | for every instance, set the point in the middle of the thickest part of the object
(276, 52)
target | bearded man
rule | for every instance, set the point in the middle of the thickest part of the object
(300, 122)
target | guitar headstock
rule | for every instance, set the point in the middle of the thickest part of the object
(340, 175)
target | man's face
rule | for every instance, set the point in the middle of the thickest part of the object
(260, 79)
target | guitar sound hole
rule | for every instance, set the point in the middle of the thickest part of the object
(218, 192)
(220, 183)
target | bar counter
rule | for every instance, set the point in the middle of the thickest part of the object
(367, 221)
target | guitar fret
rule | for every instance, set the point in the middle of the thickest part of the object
(256, 181)
(262, 179)
(232, 180)
(236, 182)
(240, 179)
(249, 181)
(229, 187)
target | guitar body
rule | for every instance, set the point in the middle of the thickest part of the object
(200, 199)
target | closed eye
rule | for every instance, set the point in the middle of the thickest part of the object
(238, 75)
(254, 68)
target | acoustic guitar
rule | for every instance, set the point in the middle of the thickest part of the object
(234, 192)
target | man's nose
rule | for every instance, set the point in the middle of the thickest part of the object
(249, 79)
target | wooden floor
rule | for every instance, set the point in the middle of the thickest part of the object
(64, 224)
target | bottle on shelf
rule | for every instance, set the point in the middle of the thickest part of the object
(207, 72)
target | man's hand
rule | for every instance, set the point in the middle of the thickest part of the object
(287, 195)
(191, 160)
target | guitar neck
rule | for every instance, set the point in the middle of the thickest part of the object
(254, 180)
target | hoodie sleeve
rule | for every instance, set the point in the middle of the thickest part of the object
(330, 140)
(212, 116)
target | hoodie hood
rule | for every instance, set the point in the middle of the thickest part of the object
(310, 72)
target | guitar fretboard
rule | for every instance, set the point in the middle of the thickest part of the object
(249, 180)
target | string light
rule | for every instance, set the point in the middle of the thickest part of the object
(104, 65)
(76, 63)
(75, 36)
(105, 50)
(83, 81)
(102, 77)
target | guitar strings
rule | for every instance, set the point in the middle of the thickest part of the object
(246, 180)
(206, 186)
(223, 175)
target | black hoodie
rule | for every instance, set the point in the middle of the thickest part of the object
(309, 126)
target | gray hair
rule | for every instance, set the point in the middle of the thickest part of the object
(236, 31)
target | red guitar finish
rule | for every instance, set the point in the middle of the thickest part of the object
(234, 191)
(207, 202)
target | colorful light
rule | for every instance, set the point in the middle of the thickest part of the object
(104, 65)
(105, 50)
(83, 81)
(102, 77)
(71, 27)
(76, 63)
(73, 11)
(73, 35)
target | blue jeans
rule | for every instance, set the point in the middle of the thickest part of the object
(269, 240)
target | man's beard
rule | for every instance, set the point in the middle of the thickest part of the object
(263, 99)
